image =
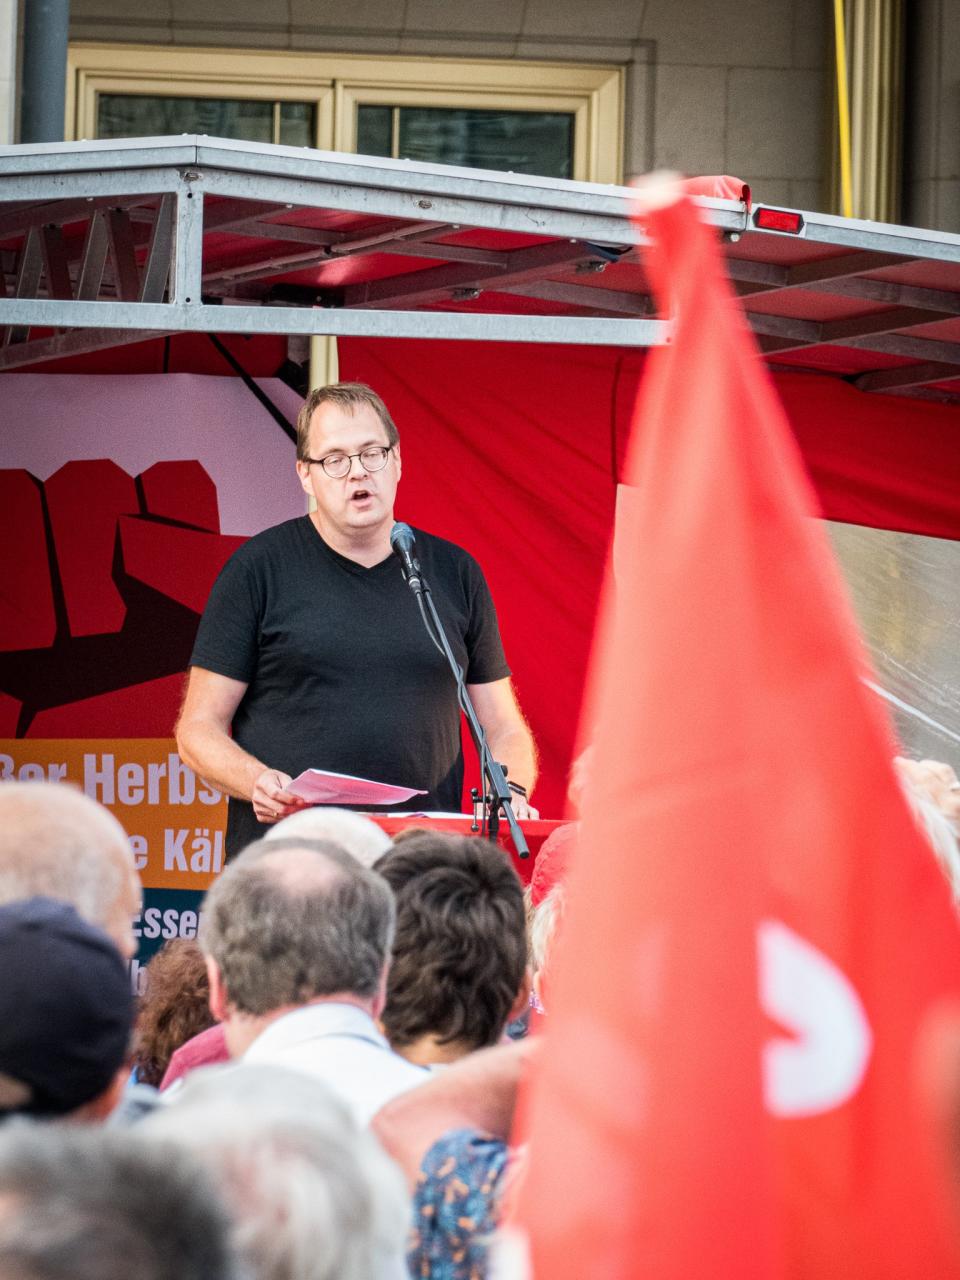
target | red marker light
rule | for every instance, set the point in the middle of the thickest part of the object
(778, 220)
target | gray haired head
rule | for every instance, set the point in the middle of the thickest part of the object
(313, 1196)
(55, 842)
(91, 1204)
(352, 831)
(290, 920)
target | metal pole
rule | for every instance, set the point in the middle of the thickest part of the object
(43, 100)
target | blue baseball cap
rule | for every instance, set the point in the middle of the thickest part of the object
(66, 1009)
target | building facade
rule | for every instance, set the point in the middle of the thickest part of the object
(600, 91)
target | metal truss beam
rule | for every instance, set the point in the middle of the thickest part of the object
(85, 188)
(907, 377)
(156, 269)
(55, 268)
(147, 205)
(774, 338)
(427, 249)
(451, 209)
(817, 276)
(893, 293)
(484, 327)
(804, 275)
(338, 241)
(73, 342)
(890, 321)
(439, 284)
(187, 254)
(611, 301)
(123, 255)
(234, 214)
(61, 212)
(880, 331)
(452, 253)
(257, 229)
(93, 260)
(901, 242)
(28, 281)
(768, 279)
(335, 246)
(902, 344)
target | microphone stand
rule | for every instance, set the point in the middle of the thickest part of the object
(497, 794)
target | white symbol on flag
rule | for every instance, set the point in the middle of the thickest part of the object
(821, 1066)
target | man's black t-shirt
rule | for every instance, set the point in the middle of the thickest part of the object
(341, 673)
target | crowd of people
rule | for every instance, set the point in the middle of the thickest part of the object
(321, 1085)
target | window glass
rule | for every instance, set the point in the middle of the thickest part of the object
(519, 141)
(297, 127)
(125, 115)
(375, 131)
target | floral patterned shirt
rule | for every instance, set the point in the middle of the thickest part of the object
(456, 1206)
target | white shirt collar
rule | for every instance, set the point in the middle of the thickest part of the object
(326, 1018)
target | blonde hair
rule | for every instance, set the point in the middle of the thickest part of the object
(936, 828)
(543, 927)
(348, 396)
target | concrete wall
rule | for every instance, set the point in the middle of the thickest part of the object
(932, 132)
(713, 86)
(9, 13)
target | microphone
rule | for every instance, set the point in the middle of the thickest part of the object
(403, 544)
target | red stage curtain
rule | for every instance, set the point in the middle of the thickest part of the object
(515, 451)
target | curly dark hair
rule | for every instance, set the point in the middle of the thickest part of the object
(174, 1009)
(459, 954)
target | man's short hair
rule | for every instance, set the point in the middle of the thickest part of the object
(348, 396)
(459, 954)
(313, 1197)
(56, 842)
(290, 920)
(80, 1203)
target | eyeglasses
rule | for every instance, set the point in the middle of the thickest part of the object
(337, 465)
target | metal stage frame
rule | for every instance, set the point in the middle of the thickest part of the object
(105, 243)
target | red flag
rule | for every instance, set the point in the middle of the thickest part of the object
(756, 935)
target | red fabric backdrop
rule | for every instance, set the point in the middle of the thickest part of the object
(515, 452)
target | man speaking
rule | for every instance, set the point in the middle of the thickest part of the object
(312, 653)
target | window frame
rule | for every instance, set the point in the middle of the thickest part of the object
(337, 83)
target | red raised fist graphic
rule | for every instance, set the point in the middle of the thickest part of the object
(105, 579)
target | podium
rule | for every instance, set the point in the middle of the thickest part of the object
(536, 831)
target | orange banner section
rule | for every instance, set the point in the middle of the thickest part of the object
(174, 820)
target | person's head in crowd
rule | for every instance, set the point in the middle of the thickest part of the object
(90, 1204)
(933, 794)
(458, 973)
(352, 831)
(66, 1014)
(288, 923)
(174, 1008)
(544, 925)
(553, 861)
(56, 842)
(312, 1196)
(549, 870)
